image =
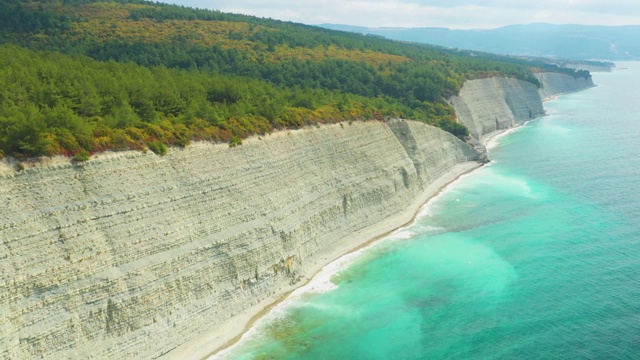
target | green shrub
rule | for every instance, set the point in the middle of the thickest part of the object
(19, 167)
(82, 156)
(157, 147)
(235, 141)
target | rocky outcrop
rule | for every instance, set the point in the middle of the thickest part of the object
(132, 255)
(485, 106)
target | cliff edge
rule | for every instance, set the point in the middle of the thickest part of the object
(132, 255)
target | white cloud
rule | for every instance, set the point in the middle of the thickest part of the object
(463, 14)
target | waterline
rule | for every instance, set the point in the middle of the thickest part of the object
(533, 256)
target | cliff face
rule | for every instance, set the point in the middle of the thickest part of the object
(133, 255)
(488, 105)
(556, 84)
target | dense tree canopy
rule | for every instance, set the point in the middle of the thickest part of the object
(51, 103)
(137, 74)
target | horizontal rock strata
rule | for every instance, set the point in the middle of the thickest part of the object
(132, 255)
(488, 105)
(554, 84)
(485, 106)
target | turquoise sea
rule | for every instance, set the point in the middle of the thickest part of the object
(536, 256)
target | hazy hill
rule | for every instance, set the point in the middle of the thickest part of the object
(577, 42)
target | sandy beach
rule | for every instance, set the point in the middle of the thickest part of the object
(223, 336)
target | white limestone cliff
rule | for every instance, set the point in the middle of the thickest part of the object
(554, 84)
(486, 106)
(133, 255)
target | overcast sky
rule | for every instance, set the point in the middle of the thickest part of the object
(457, 14)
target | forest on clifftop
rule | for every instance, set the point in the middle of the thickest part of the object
(84, 76)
